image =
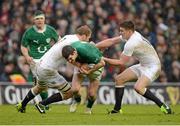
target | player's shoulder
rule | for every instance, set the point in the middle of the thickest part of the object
(136, 35)
(135, 38)
(50, 27)
(70, 36)
(28, 30)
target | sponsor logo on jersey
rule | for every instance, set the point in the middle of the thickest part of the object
(48, 40)
(36, 41)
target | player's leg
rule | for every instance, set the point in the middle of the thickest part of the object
(76, 85)
(43, 94)
(94, 79)
(140, 87)
(65, 92)
(92, 94)
(30, 95)
(120, 80)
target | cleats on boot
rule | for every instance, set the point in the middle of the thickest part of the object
(20, 108)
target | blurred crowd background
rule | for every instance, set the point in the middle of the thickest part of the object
(157, 20)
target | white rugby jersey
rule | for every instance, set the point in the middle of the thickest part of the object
(141, 48)
(53, 57)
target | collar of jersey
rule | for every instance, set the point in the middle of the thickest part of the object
(37, 30)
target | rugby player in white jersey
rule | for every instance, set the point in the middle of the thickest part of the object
(145, 72)
(47, 70)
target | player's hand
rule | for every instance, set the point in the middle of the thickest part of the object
(85, 69)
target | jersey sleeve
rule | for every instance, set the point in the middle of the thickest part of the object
(25, 40)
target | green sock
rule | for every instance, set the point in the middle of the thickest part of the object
(91, 101)
(44, 95)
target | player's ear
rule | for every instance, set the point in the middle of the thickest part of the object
(84, 37)
(75, 52)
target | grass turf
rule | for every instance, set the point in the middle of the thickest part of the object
(59, 115)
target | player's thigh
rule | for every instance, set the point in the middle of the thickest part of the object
(125, 76)
(141, 84)
(147, 75)
(52, 79)
(77, 81)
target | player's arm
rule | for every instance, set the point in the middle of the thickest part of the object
(108, 42)
(25, 53)
(98, 65)
(92, 68)
(123, 60)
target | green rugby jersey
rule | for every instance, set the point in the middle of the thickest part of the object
(87, 53)
(39, 43)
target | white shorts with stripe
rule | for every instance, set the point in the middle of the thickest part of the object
(52, 79)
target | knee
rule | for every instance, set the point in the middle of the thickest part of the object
(67, 95)
(119, 80)
(91, 93)
(139, 89)
(75, 88)
(36, 89)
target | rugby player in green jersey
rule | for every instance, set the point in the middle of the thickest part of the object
(36, 41)
(89, 63)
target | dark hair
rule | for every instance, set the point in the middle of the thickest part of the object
(67, 50)
(84, 30)
(128, 25)
(38, 12)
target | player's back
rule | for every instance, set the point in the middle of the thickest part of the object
(53, 57)
(87, 53)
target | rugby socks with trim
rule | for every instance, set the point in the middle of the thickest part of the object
(119, 91)
(149, 95)
(30, 95)
(91, 101)
(44, 95)
(77, 97)
(53, 98)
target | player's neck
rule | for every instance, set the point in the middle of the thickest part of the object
(40, 29)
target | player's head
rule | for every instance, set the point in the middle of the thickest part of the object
(126, 29)
(84, 33)
(69, 53)
(39, 19)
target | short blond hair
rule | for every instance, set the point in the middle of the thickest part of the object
(84, 30)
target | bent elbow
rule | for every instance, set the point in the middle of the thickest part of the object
(103, 63)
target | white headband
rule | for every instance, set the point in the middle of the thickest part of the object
(39, 16)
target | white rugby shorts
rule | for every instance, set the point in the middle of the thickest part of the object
(52, 79)
(150, 71)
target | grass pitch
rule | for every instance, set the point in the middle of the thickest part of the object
(59, 115)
